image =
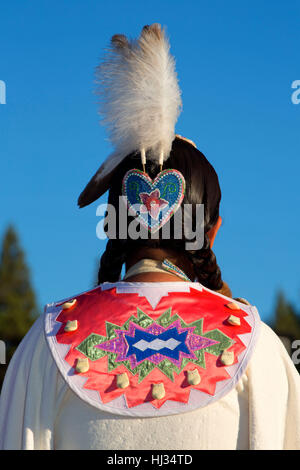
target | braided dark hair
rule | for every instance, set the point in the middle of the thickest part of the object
(205, 266)
(112, 261)
(202, 187)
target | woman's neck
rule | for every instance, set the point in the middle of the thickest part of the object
(151, 270)
(154, 277)
(157, 255)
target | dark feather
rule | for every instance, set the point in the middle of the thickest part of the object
(95, 188)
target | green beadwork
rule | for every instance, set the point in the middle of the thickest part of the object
(224, 342)
(87, 347)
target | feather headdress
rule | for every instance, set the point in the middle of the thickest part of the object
(139, 102)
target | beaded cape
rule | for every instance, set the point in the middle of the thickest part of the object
(151, 349)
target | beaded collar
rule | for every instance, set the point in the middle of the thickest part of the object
(151, 349)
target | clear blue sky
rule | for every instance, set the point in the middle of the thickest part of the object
(236, 62)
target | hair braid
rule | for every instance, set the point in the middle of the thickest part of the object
(112, 261)
(205, 266)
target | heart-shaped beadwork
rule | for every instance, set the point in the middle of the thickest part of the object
(153, 202)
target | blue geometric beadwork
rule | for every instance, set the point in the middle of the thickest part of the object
(169, 343)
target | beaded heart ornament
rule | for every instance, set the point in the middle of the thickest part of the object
(153, 202)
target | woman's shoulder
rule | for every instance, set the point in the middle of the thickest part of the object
(272, 374)
(270, 351)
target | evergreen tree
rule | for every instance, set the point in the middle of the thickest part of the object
(18, 308)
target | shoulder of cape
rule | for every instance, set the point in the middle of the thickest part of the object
(151, 349)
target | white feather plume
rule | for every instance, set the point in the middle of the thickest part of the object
(140, 96)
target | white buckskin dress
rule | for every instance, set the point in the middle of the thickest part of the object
(137, 365)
